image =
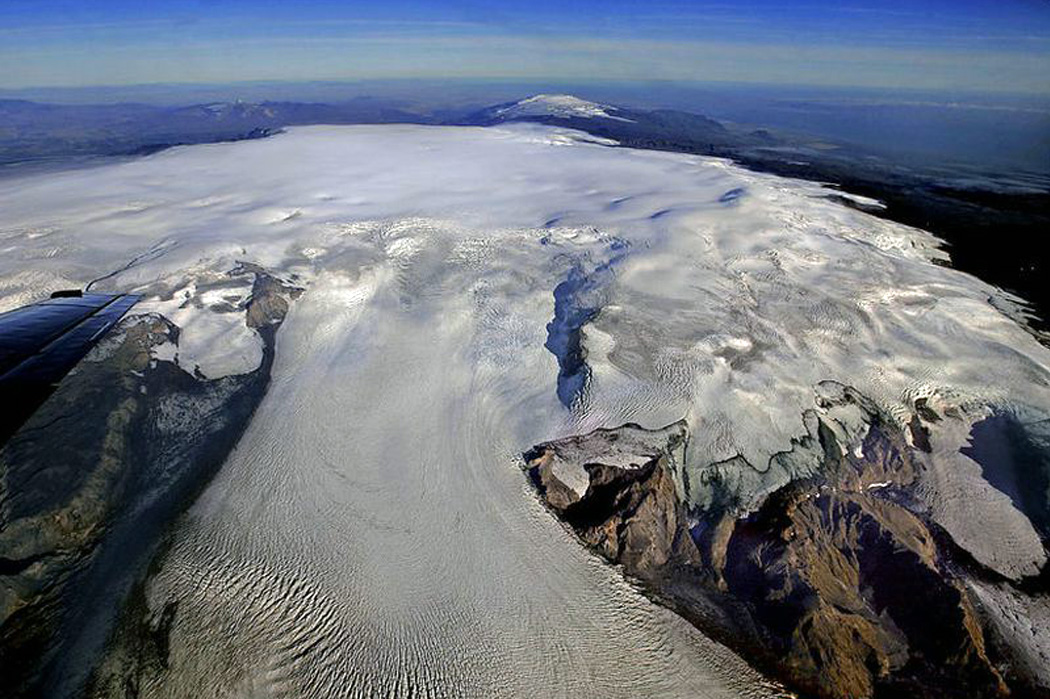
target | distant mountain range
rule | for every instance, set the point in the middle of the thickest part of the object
(992, 221)
(32, 131)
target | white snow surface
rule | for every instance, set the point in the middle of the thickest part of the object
(559, 106)
(383, 463)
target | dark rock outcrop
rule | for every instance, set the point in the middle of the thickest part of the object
(90, 482)
(629, 513)
(837, 584)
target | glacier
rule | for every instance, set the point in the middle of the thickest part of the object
(372, 527)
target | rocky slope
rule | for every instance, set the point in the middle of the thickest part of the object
(839, 583)
(130, 437)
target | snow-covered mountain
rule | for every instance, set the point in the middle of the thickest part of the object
(555, 106)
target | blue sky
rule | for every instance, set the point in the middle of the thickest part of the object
(960, 45)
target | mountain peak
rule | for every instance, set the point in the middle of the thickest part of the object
(556, 105)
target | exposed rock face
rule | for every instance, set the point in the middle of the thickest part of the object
(91, 480)
(270, 297)
(837, 584)
(629, 511)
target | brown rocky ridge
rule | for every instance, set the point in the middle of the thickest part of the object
(837, 584)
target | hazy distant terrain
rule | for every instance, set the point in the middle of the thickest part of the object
(31, 131)
(996, 131)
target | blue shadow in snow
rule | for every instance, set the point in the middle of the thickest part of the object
(732, 195)
(577, 301)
